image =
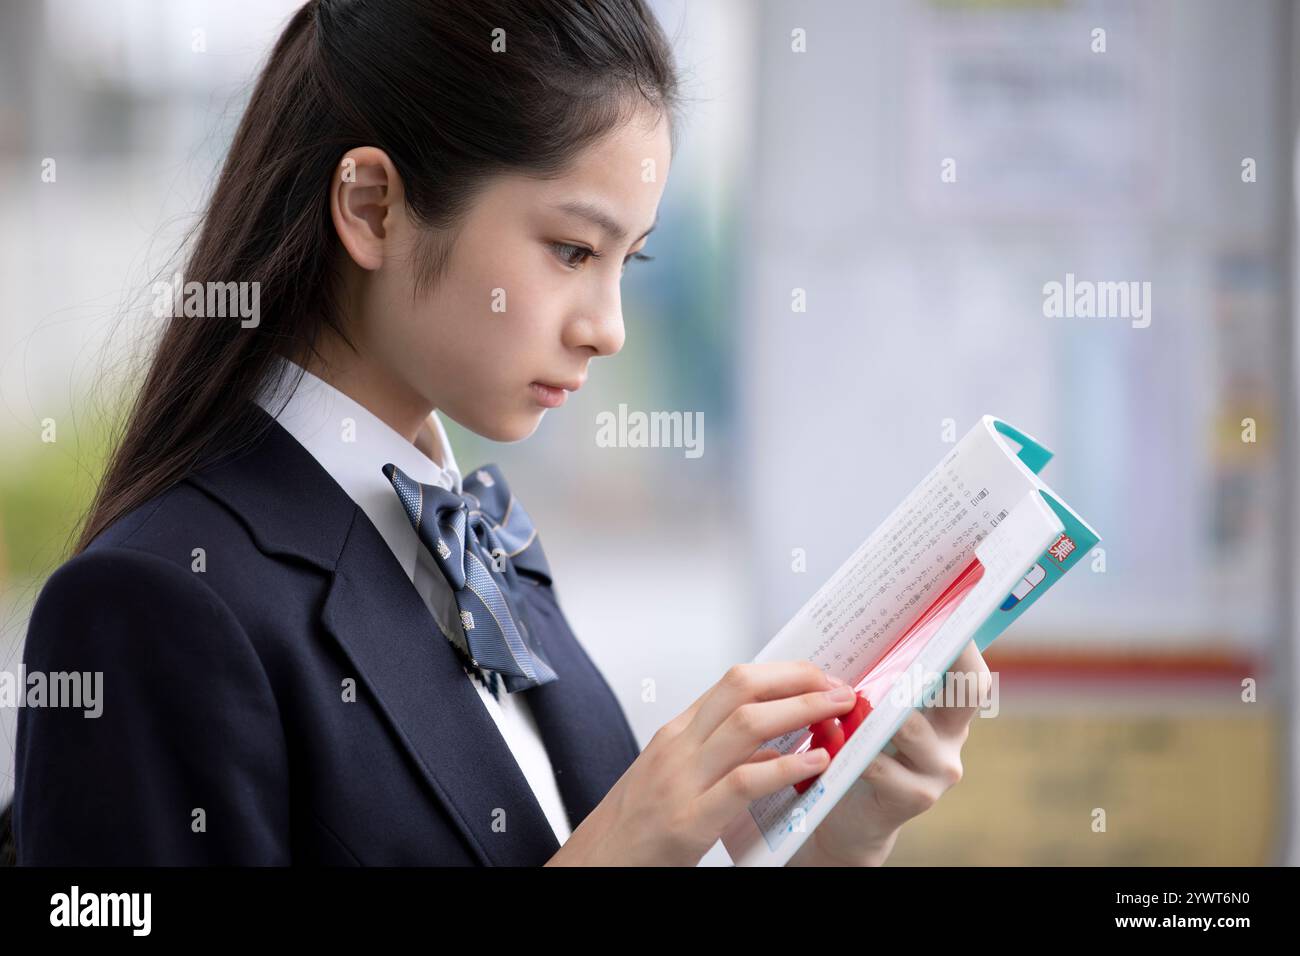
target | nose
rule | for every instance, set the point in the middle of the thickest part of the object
(599, 327)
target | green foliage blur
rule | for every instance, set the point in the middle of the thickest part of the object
(46, 488)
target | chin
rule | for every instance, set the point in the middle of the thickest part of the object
(511, 429)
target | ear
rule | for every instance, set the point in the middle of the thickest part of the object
(365, 203)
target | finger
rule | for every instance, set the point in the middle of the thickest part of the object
(921, 748)
(950, 725)
(753, 724)
(745, 683)
(951, 715)
(751, 781)
(899, 791)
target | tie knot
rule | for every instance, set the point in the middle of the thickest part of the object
(485, 511)
(480, 540)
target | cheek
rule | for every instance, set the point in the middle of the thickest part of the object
(492, 340)
(489, 328)
(514, 346)
(506, 314)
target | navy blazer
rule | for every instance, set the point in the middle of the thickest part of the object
(223, 691)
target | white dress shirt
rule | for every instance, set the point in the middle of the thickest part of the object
(354, 454)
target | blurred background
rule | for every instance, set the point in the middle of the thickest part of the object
(865, 205)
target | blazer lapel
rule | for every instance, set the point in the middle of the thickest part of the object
(387, 632)
(292, 507)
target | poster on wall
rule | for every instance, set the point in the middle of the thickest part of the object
(1039, 112)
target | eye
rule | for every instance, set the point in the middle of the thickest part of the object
(573, 255)
(566, 250)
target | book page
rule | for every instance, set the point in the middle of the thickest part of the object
(906, 562)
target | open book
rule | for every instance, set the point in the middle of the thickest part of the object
(977, 542)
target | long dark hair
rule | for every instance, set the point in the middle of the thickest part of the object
(455, 92)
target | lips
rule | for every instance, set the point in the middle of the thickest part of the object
(548, 396)
(570, 386)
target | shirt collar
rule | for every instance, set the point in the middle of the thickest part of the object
(316, 414)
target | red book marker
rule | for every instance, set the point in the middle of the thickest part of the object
(832, 732)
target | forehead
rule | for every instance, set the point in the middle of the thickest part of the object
(630, 152)
(622, 174)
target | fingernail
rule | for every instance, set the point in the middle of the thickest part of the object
(834, 681)
(844, 693)
(814, 757)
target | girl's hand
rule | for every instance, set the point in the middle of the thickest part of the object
(862, 828)
(672, 804)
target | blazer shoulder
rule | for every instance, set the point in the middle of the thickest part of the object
(169, 521)
(106, 583)
(140, 618)
(181, 546)
(196, 532)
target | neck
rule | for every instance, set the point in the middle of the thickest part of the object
(378, 391)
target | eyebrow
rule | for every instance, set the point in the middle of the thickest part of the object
(602, 220)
